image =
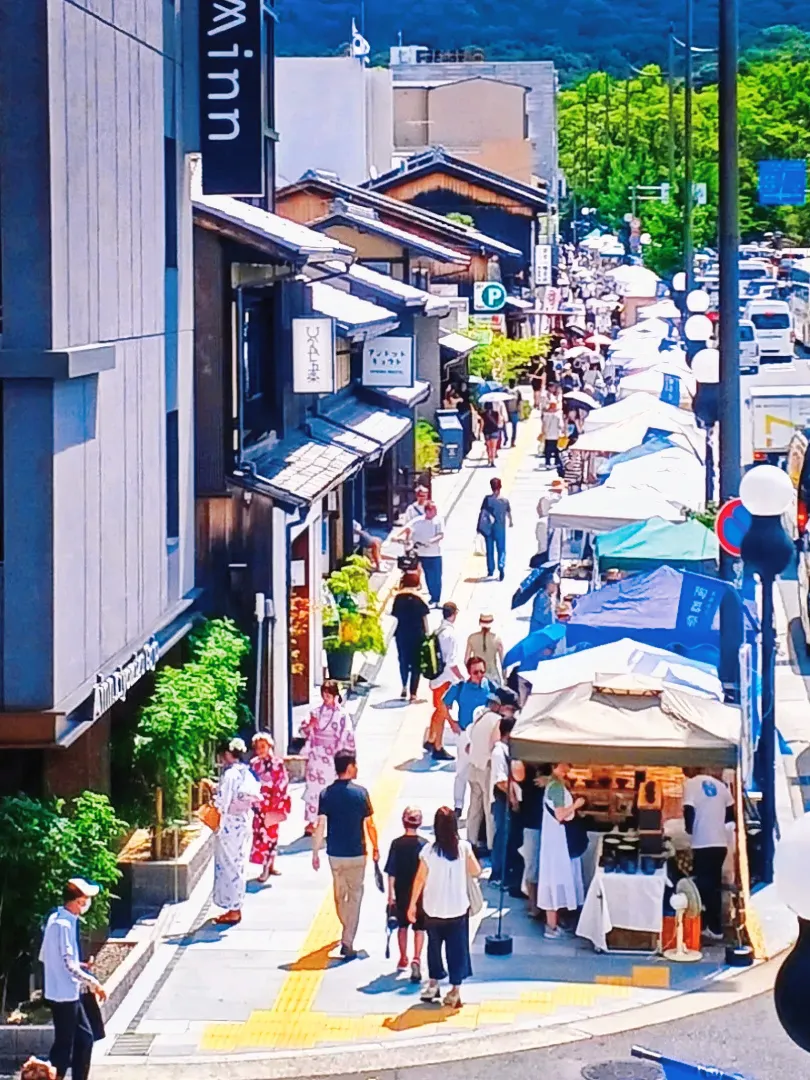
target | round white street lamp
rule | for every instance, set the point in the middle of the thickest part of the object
(766, 491)
(645, 239)
(698, 302)
(698, 328)
(706, 367)
(679, 281)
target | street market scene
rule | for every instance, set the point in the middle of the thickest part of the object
(406, 630)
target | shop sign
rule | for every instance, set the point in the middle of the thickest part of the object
(746, 713)
(388, 362)
(542, 264)
(232, 97)
(313, 341)
(496, 324)
(115, 686)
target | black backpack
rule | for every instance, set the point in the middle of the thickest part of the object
(431, 664)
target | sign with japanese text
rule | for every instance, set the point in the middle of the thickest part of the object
(783, 183)
(232, 97)
(698, 603)
(388, 362)
(313, 341)
(542, 264)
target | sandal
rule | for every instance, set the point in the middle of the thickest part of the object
(452, 1000)
(430, 994)
(230, 918)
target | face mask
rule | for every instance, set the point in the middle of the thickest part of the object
(85, 907)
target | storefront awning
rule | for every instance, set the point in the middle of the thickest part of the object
(325, 432)
(519, 303)
(300, 470)
(356, 319)
(459, 344)
(408, 395)
(381, 426)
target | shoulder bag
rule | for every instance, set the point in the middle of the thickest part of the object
(474, 893)
(486, 519)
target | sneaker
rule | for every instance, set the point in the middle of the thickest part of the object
(452, 1000)
(403, 694)
(553, 935)
(430, 994)
(500, 576)
(710, 935)
(441, 755)
(348, 952)
(428, 747)
(416, 971)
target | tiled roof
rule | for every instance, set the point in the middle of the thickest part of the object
(303, 470)
(350, 312)
(458, 343)
(342, 212)
(381, 426)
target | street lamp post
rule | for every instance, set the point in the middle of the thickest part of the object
(688, 195)
(706, 369)
(766, 492)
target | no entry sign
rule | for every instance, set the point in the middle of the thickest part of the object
(731, 525)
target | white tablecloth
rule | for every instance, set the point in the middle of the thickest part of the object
(629, 901)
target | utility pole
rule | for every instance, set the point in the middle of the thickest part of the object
(587, 133)
(729, 235)
(687, 138)
(671, 81)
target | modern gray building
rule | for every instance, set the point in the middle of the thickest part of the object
(538, 76)
(96, 370)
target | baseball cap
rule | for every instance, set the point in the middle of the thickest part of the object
(412, 817)
(85, 888)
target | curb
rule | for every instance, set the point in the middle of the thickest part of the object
(388, 1058)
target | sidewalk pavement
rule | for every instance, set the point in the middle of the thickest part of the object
(271, 989)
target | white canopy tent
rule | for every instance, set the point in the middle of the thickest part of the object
(651, 380)
(662, 309)
(623, 657)
(658, 414)
(624, 722)
(645, 360)
(675, 474)
(635, 281)
(650, 328)
(600, 509)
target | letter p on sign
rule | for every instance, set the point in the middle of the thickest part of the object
(489, 296)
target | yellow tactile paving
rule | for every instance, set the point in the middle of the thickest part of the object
(651, 978)
(269, 1028)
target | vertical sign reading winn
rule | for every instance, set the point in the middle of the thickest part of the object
(231, 97)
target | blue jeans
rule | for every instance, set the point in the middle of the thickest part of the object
(496, 539)
(454, 934)
(432, 567)
(500, 811)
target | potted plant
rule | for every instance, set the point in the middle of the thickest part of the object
(351, 623)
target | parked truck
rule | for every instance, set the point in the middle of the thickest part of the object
(773, 415)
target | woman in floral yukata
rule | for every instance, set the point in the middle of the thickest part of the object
(274, 805)
(327, 731)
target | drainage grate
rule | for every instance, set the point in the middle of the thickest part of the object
(131, 1044)
(623, 1070)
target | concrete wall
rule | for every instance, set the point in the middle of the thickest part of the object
(428, 363)
(332, 113)
(539, 76)
(86, 562)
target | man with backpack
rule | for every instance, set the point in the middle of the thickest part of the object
(442, 667)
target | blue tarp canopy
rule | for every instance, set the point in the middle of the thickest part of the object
(686, 545)
(664, 607)
(652, 445)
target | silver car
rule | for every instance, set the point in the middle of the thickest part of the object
(749, 349)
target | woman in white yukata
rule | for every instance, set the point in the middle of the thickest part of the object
(559, 880)
(234, 796)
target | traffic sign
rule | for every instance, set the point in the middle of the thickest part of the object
(488, 296)
(783, 183)
(700, 194)
(731, 525)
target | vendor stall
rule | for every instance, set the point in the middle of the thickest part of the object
(602, 509)
(629, 738)
(686, 545)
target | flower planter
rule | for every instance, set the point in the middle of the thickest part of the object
(339, 664)
(156, 882)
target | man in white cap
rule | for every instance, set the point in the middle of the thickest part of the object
(416, 508)
(65, 979)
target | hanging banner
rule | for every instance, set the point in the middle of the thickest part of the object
(388, 362)
(232, 98)
(542, 264)
(313, 341)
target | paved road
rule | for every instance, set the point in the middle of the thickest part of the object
(746, 1039)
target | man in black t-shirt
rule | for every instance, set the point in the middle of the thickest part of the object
(401, 867)
(345, 816)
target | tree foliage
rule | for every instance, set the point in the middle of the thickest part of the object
(614, 134)
(505, 359)
(42, 845)
(191, 708)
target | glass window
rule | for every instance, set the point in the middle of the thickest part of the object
(746, 332)
(771, 320)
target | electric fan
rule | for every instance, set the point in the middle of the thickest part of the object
(685, 901)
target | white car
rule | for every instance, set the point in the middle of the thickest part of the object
(773, 329)
(749, 349)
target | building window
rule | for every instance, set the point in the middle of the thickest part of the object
(262, 398)
(343, 365)
(170, 199)
(172, 475)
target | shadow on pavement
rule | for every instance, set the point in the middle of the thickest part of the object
(418, 1016)
(319, 960)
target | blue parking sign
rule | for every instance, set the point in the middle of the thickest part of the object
(782, 183)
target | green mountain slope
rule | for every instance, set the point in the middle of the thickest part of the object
(578, 35)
